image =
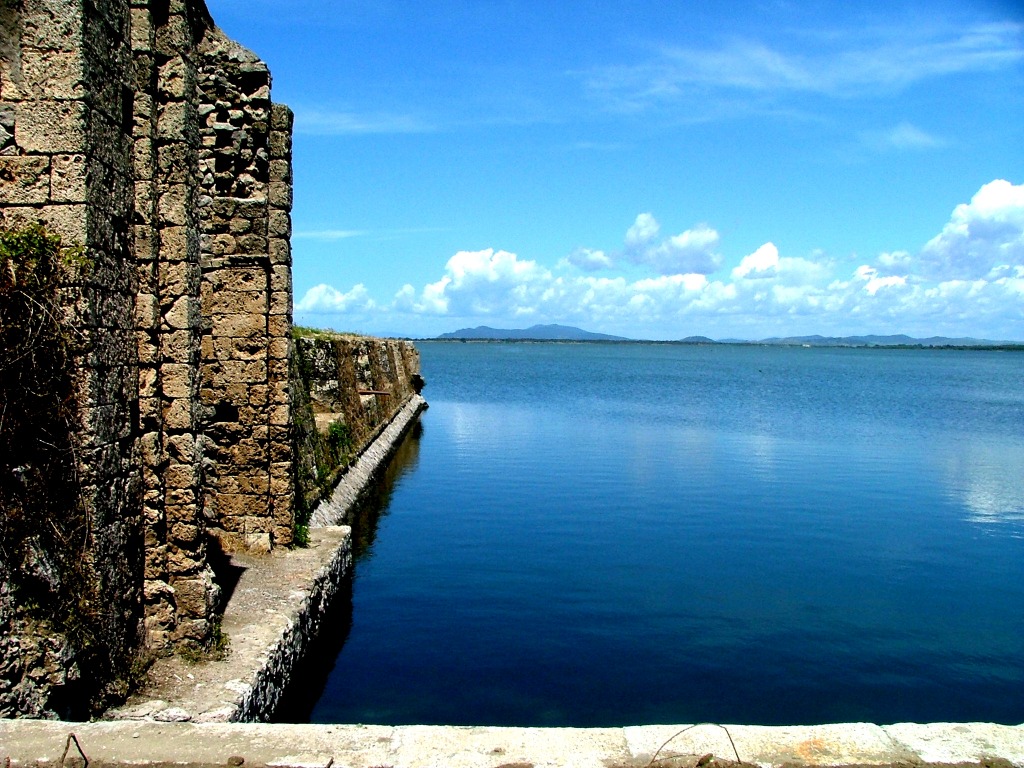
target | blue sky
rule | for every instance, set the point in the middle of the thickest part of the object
(651, 169)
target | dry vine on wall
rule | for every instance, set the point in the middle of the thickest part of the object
(44, 531)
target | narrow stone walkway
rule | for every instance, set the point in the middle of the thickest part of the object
(273, 612)
(35, 743)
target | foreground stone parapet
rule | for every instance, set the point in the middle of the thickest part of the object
(417, 746)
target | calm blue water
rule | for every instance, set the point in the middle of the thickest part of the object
(596, 535)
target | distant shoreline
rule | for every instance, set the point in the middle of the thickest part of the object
(1007, 347)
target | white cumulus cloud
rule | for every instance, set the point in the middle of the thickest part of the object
(327, 299)
(692, 251)
(967, 280)
(986, 233)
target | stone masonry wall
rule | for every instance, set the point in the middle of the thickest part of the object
(65, 159)
(355, 382)
(137, 130)
(244, 207)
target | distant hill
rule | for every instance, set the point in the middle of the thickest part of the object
(697, 340)
(533, 333)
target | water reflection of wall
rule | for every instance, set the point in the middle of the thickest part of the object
(311, 675)
(376, 499)
(986, 478)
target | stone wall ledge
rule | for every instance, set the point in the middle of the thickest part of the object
(273, 612)
(371, 462)
(41, 743)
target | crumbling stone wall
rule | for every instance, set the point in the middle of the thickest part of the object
(244, 207)
(137, 130)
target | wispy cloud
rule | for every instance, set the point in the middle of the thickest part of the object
(319, 122)
(904, 136)
(328, 234)
(838, 65)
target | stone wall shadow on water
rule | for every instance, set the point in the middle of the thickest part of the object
(310, 676)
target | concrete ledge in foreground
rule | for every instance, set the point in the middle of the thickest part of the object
(37, 743)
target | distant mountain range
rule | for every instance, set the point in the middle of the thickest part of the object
(570, 333)
(533, 333)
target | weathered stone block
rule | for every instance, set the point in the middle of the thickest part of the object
(67, 179)
(175, 161)
(280, 303)
(281, 117)
(182, 314)
(178, 380)
(179, 278)
(178, 414)
(174, 206)
(175, 119)
(52, 25)
(281, 170)
(24, 180)
(281, 278)
(174, 80)
(142, 32)
(238, 302)
(280, 224)
(69, 221)
(50, 126)
(280, 195)
(179, 345)
(251, 244)
(280, 145)
(280, 251)
(50, 74)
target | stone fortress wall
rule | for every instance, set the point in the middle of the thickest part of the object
(136, 129)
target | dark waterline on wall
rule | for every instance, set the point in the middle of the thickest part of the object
(607, 535)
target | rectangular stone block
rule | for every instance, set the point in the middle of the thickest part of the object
(280, 224)
(69, 221)
(179, 346)
(177, 414)
(280, 251)
(279, 325)
(24, 180)
(180, 476)
(49, 74)
(52, 25)
(281, 170)
(279, 348)
(67, 179)
(177, 244)
(251, 244)
(280, 195)
(237, 302)
(281, 118)
(281, 278)
(174, 119)
(179, 278)
(50, 126)
(280, 145)
(174, 206)
(280, 303)
(142, 33)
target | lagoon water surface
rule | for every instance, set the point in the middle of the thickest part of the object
(615, 534)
